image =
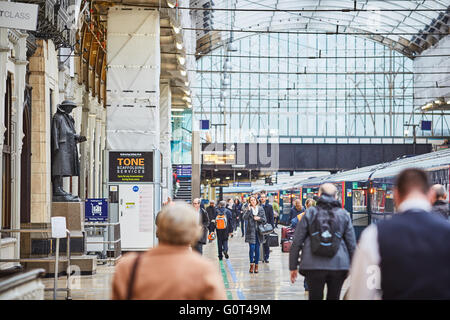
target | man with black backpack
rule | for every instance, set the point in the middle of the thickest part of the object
(326, 238)
(224, 228)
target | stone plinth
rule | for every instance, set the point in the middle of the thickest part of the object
(72, 211)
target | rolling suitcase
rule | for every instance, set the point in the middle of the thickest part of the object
(272, 240)
(286, 232)
(286, 246)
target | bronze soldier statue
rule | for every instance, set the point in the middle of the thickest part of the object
(65, 161)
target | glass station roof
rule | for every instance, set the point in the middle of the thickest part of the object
(407, 26)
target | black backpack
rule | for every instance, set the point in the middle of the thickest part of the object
(324, 232)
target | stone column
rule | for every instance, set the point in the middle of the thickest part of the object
(91, 155)
(40, 171)
(19, 91)
(4, 49)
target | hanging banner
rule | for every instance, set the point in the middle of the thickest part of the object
(18, 15)
(131, 166)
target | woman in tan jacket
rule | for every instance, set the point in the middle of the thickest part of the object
(171, 270)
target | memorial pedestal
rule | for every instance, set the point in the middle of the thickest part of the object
(74, 214)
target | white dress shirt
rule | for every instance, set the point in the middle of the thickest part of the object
(365, 274)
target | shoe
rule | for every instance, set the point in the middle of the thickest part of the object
(256, 269)
(266, 261)
(252, 265)
(220, 259)
(226, 255)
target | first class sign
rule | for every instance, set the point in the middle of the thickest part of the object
(131, 166)
(15, 15)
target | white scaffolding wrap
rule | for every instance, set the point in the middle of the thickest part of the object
(133, 79)
(166, 136)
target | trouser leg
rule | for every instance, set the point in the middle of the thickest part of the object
(251, 251)
(220, 248)
(242, 226)
(266, 250)
(257, 245)
(225, 245)
(335, 280)
(316, 283)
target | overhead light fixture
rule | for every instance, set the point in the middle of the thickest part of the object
(239, 173)
(177, 109)
(172, 3)
(217, 179)
(187, 92)
(231, 47)
(181, 60)
(227, 65)
(188, 99)
(176, 29)
(179, 45)
(406, 132)
(177, 116)
(226, 82)
(186, 83)
(183, 72)
(189, 106)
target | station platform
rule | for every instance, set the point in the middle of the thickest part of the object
(271, 283)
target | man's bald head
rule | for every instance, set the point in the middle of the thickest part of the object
(328, 189)
(439, 191)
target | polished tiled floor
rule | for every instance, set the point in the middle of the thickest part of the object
(272, 282)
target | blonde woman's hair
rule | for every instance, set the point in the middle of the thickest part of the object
(310, 202)
(178, 224)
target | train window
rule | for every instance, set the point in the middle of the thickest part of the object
(378, 201)
(359, 201)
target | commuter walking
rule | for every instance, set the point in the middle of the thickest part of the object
(276, 213)
(326, 238)
(211, 210)
(169, 271)
(438, 198)
(309, 203)
(242, 220)
(268, 210)
(224, 228)
(296, 209)
(407, 256)
(204, 223)
(237, 213)
(254, 215)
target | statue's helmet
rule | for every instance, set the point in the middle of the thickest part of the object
(67, 106)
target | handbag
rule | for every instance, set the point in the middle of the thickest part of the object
(265, 229)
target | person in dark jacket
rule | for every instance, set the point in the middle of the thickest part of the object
(204, 222)
(438, 198)
(321, 270)
(237, 213)
(296, 209)
(407, 256)
(253, 215)
(223, 234)
(268, 210)
(211, 210)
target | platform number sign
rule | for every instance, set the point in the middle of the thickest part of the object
(425, 125)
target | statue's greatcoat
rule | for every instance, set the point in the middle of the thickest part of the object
(65, 160)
